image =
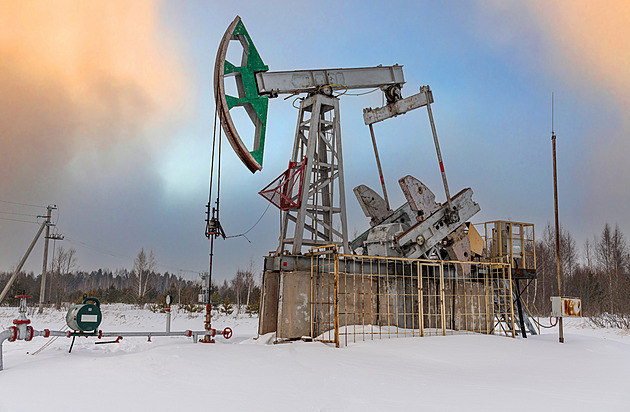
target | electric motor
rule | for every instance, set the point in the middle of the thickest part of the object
(85, 317)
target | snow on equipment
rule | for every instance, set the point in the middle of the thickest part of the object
(84, 320)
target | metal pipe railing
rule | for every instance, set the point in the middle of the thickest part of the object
(22, 330)
(46, 333)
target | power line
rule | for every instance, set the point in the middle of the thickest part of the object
(117, 255)
(250, 229)
(20, 204)
(19, 214)
(18, 220)
(196, 272)
(100, 250)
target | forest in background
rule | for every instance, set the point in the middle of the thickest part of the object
(140, 285)
(598, 272)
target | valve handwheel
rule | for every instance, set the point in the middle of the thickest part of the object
(227, 333)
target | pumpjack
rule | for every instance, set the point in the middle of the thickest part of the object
(311, 192)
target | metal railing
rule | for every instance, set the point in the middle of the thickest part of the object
(357, 298)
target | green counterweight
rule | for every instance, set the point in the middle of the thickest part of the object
(248, 96)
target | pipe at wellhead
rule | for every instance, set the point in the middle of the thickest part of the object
(4, 335)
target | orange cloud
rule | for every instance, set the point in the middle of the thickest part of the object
(77, 74)
(589, 38)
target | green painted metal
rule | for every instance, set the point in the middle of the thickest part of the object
(86, 316)
(247, 81)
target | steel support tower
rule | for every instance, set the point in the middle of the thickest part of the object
(321, 217)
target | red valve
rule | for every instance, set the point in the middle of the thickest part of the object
(29, 333)
(21, 322)
(15, 333)
(227, 333)
(23, 296)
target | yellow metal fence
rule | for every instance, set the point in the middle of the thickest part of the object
(357, 298)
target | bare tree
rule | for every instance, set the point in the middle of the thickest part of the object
(545, 268)
(238, 284)
(250, 282)
(242, 284)
(64, 260)
(568, 254)
(604, 262)
(612, 259)
(143, 266)
(546, 282)
(589, 253)
(63, 263)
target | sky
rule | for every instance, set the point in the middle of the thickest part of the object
(106, 111)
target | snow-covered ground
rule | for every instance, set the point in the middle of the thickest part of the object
(468, 372)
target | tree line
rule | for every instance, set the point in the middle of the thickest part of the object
(141, 285)
(599, 273)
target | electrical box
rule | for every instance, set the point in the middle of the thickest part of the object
(566, 307)
(85, 317)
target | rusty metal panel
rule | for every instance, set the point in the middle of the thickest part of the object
(562, 307)
(572, 307)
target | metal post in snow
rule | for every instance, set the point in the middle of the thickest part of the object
(19, 267)
(42, 290)
(555, 197)
(558, 266)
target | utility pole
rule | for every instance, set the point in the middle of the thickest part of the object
(21, 264)
(555, 197)
(54, 237)
(42, 290)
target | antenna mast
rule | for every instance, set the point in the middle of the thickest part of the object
(555, 196)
